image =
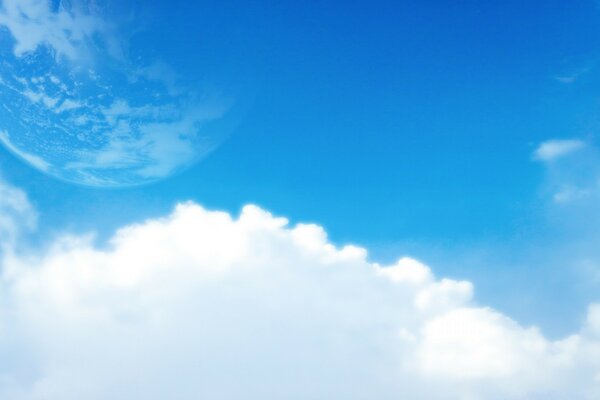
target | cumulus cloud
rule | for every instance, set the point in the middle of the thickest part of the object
(201, 304)
(554, 149)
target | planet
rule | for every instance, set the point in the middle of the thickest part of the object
(76, 104)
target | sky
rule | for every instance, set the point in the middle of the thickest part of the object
(399, 198)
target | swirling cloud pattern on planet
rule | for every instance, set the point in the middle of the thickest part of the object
(78, 106)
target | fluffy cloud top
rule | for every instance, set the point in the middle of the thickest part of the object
(554, 149)
(200, 304)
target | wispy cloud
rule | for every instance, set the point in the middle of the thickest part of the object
(576, 179)
(34, 160)
(16, 215)
(575, 74)
(571, 193)
(554, 149)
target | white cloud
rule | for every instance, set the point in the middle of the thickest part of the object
(33, 23)
(575, 181)
(16, 214)
(554, 149)
(199, 304)
(569, 193)
(165, 140)
(67, 105)
(38, 162)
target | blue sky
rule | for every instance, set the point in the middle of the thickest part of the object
(406, 127)
(409, 128)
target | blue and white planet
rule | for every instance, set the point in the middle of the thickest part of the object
(75, 103)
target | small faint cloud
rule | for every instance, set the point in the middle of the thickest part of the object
(568, 194)
(553, 149)
(567, 78)
(573, 75)
(16, 214)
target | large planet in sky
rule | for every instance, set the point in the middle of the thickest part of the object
(78, 103)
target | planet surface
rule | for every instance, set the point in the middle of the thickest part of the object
(76, 105)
